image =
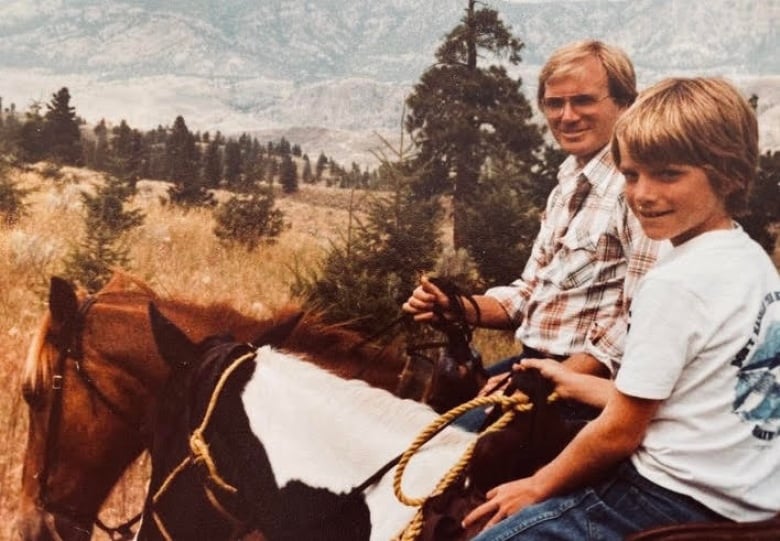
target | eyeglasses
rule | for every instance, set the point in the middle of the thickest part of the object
(581, 103)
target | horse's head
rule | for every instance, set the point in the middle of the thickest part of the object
(91, 381)
(76, 404)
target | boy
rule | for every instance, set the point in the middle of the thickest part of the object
(689, 429)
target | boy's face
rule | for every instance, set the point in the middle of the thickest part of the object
(672, 201)
(583, 125)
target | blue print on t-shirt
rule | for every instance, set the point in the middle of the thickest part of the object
(757, 392)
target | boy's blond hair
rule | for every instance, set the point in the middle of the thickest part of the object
(701, 121)
(621, 79)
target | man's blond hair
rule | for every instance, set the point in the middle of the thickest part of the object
(702, 121)
(621, 79)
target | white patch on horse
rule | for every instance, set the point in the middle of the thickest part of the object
(333, 433)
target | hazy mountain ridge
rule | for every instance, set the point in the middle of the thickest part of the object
(239, 65)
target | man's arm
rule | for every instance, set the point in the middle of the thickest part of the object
(611, 437)
(426, 296)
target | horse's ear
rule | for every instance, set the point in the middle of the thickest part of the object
(174, 346)
(63, 303)
(276, 335)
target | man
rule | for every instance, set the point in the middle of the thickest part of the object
(571, 300)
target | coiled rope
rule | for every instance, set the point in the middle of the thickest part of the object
(513, 404)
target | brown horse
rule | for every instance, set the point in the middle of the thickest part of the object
(92, 380)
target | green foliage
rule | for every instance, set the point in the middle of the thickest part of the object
(319, 168)
(61, 135)
(462, 113)
(182, 155)
(30, 137)
(288, 174)
(763, 207)
(91, 262)
(249, 220)
(12, 205)
(367, 275)
(502, 224)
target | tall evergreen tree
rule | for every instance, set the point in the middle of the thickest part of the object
(306, 175)
(212, 164)
(288, 174)
(182, 159)
(461, 112)
(319, 168)
(100, 158)
(61, 130)
(232, 163)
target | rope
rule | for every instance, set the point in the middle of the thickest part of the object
(513, 404)
(199, 452)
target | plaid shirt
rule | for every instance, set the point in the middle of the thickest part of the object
(574, 293)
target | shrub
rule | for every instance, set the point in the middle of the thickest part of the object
(249, 220)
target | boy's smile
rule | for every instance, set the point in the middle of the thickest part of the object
(672, 201)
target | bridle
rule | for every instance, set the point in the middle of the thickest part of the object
(70, 347)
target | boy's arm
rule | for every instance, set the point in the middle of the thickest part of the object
(611, 437)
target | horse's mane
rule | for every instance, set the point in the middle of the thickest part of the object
(312, 336)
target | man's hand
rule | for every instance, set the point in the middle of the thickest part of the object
(424, 299)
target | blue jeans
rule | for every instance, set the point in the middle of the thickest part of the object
(622, 504)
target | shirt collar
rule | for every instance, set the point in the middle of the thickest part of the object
(597, 171)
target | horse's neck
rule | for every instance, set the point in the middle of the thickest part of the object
(317, 426)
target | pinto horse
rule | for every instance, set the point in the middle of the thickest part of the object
(256, 439)
(93, 377)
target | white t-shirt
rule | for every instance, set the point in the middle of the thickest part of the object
(704, 337)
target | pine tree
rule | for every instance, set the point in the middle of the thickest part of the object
(92, 261)
(248, 221)
(183, 159)
(212, 165)
(319, 168)
(232, 164)
(288, 174)
(100, 158)
(461, 112)
(61, 130)
(367, 275)
(306, 175)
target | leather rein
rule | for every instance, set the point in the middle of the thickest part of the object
(71, 347)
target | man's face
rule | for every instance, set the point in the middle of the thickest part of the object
(579, 109)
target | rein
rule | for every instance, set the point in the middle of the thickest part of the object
(71, 346)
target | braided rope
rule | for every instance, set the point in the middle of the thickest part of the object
(512, 404)
(199, 453)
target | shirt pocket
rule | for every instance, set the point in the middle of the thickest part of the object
(576, 260)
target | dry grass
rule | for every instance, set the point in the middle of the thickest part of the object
(175, 253)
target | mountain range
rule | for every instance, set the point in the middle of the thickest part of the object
(333, 73)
